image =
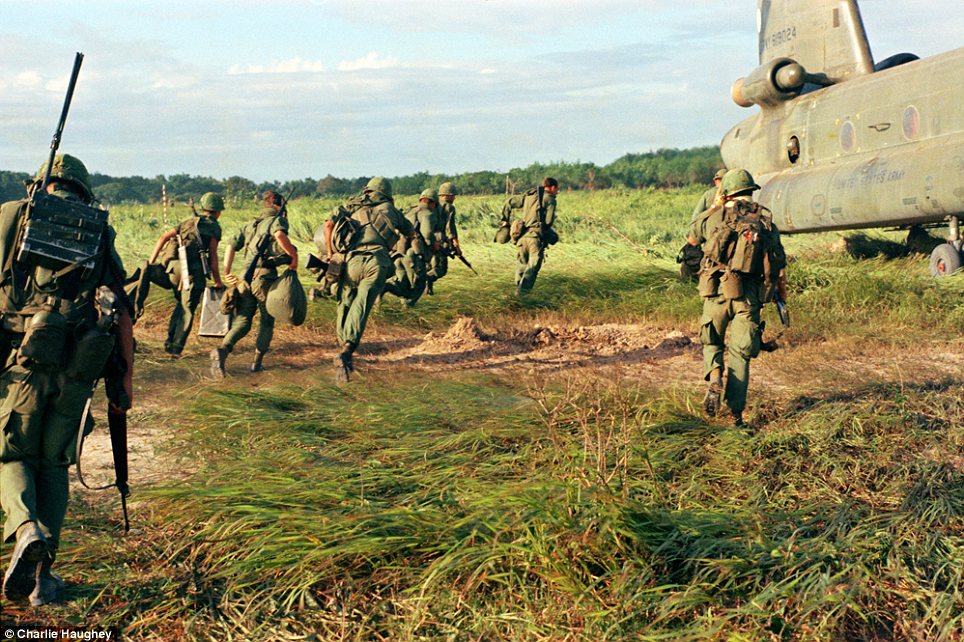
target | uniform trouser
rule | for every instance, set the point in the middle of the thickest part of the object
(153, 273)
(742, 316)
(531, 254)
(413, 275)
(39, 415)
(246, 305)
(362, 281)
(182, 317)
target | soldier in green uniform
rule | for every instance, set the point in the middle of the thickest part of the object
(374, 227)
(534, 230)
(744, 262)
(269, 229)
(190, 254)
(62, 319)
(413, 253)
(691, 254)
(447, 192)
(710, 196)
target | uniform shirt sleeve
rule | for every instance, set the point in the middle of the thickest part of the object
(425, 223)
(512, 203)
(114, 273)
(238, 239)
(451, 229)
(778, 256)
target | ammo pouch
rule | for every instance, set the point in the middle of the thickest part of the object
(44, 338)
(731, 285)
(709, 283)
(379, 221)
(336, 265)
(90, 355)
(517, 229)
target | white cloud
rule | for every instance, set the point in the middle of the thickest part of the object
(291, 66)
(370, 61)
(28, 80)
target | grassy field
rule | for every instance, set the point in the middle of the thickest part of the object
(519, 503)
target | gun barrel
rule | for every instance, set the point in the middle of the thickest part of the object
(55, 143)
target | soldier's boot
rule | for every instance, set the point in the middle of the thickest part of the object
(711, 402)
(737, 418)
(257, 366)
(21, 576)
(49, 584)
(429, 288)
(343, 363)
(218, 357)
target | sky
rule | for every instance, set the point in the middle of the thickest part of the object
(290, 89)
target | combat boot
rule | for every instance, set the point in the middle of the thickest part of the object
(218, 356)
(257, 366)
(711, 402)
(49, 584)
(343, 363)
(738, 418)
(30, 549)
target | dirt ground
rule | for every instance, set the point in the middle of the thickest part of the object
(646, 354)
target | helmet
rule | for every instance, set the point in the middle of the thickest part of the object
(69, 168)
(448, 188)
(430, 194)
(737, 181)
(212, 202)
(720, 173)
(381, 185)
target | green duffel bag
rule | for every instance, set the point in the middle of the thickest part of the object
(286, 300)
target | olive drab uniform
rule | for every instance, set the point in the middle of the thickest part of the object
(56, 339)
(413, 254)
(532, 233)
(742, 262)
(438, 265)
(250, 299)
(194, 235)
(368, 264)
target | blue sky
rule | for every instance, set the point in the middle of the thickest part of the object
(296, 88)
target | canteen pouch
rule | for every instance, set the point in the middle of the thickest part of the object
(44, 338)
(502, 234)
(731, 285)
(709, 283)
(90, 355)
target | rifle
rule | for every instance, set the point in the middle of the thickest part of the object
(262, 248)
(782, 309)
(55, 143)
(455, 253)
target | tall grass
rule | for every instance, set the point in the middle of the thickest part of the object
(467, 508)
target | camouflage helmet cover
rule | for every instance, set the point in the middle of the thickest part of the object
(381, 185)
(720, 173)
(737, 181)
(212, 202)
(448, 188)
(71, 169)
(430, 194)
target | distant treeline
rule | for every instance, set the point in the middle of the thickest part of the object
(662, 168)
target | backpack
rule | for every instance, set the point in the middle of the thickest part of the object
(743, 240)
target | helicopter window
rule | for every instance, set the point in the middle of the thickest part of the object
(848, 136)
(911, 123)
(793, 149)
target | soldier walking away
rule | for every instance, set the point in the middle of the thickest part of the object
(359, 236)
(189, 256)
(743, 268)
(413, 253)
(266, 244)
(65, 316)
(691, 254)
(533, 231)
(447, 192)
